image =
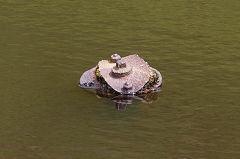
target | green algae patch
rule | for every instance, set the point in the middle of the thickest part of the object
(98, 74)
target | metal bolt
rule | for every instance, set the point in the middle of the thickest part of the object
(127, 85)
(121, 64)
(115, 57)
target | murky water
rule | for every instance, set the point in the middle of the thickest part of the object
(45, 46)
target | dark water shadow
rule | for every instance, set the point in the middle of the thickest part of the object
(121, 101)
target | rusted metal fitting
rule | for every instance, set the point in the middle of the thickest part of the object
(114, 58)
(121, 69)
(127, 86)
(121, 64)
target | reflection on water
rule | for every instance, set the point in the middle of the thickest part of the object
(121, 101)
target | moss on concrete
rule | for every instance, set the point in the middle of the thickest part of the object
(152, 80)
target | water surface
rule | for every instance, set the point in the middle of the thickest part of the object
(45, 46)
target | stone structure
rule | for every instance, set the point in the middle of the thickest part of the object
(127, 75)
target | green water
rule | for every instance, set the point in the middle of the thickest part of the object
(45, 46)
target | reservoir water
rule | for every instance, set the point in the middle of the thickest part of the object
(45, 46)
